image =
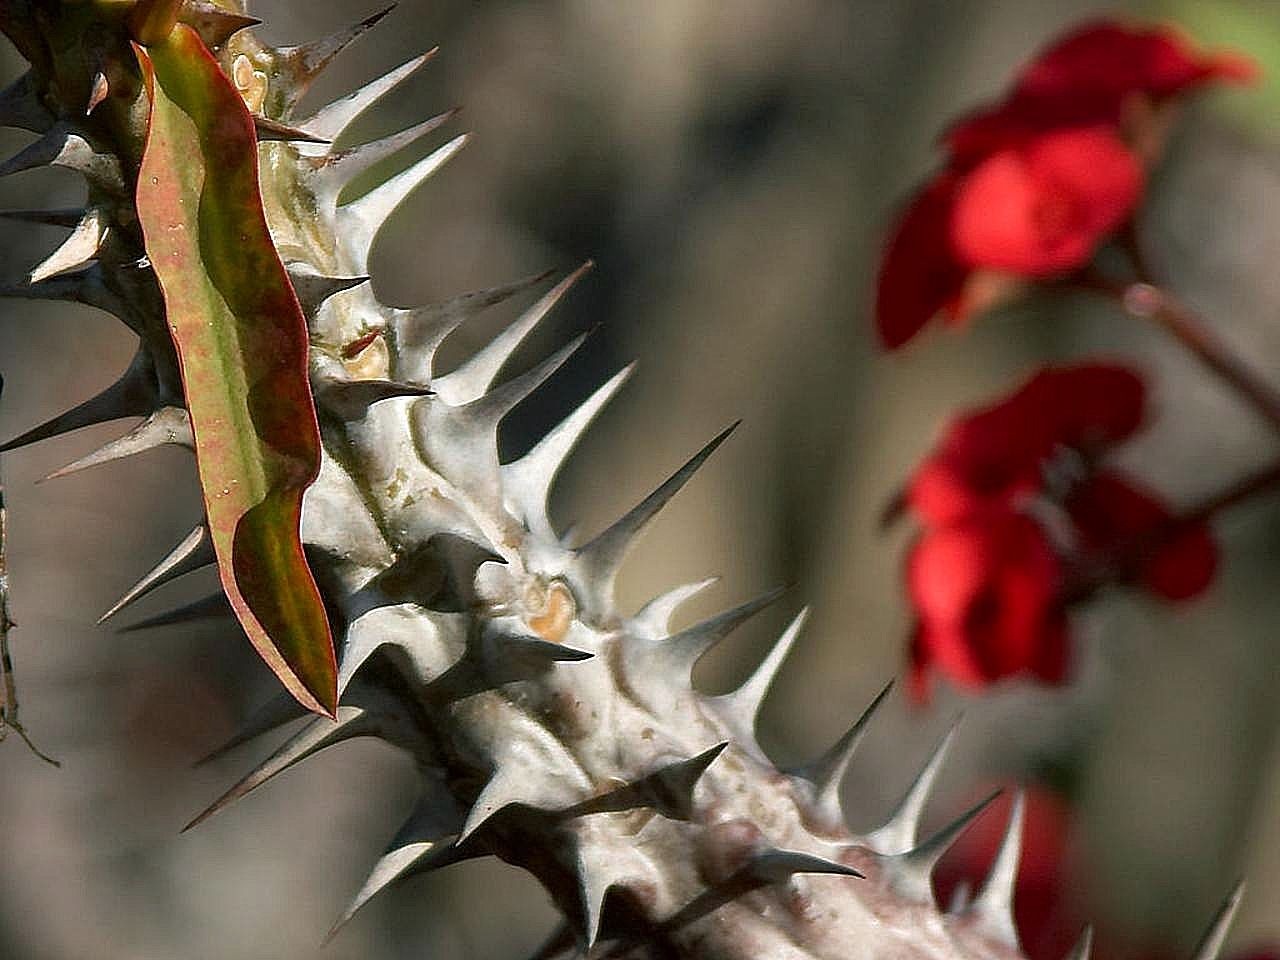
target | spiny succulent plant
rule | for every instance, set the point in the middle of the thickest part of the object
(551, 729)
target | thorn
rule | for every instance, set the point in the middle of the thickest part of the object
(527, 482)
(313, 288)
(303, 63)
(280, 710)
(487, 411)
(353, 720)
(1083, 948)
(654, 618)
(132, 395)
(212, 607)
(742, 707)
(98, 91)
(473, 378)
(1210, 946)
(503, 790)
(86, 286)
(168, 425)
(603, 556)
(497, 660)
(361, 219)
(993, 907)
(277, 131)
(63, 147)
(910, 873)
(604, 865)
(195, 551)
(330, 121)
(675, 656)
(68, 217)
(78, 249)
(419, 331)
(669, 790)
(900, 833)
(765, 869)
(351, 399)
(428, 835)
(214, 24)
(336, 170)
(828, 772)
(20, 106)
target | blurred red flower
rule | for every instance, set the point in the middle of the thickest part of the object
(1102, 72)
(994, 455)
(1018, 518)
(1035, 184)
(987, 593)
(1113, 514)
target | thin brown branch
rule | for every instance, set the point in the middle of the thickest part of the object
(1189, 329)
(8, 685)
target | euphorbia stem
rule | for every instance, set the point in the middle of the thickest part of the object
(1188, 328)
(1152, 300)
(1264, 480)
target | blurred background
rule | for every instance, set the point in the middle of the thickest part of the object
(731, 165)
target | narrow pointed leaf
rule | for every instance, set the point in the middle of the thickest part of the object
(242, 342)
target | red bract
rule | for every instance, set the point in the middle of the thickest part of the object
(987, 595)
(996, 455)
(1118, 518)
(1093, 75)
(988, 581)
(1037, 183)
(1044, 207)
(919, 276)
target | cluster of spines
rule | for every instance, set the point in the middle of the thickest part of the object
(390, 683)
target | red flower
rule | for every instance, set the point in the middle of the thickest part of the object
(998, 454)
(1116, 516)
(919, 276)
(1019, 521)
(987, 595)
(1036, 210)
(1036, 184)
(1042, 208)
(1093, 75)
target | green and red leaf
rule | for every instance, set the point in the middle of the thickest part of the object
(241, 337)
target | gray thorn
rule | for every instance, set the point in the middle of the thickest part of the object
(330, 121)
(603, 556)
(910, 873)
(828, 772)
(167, 426)
(992, 909)
(1210, 945)
(476, 375)
(194, 552)
(902, 830)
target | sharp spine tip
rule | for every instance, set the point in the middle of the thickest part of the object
(604, 554)
(193, 552)
(1210, 945)
(828, 772)
(910, 873)
(902, 830)
(992, 908)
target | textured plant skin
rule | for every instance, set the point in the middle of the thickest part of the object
(551, 730)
